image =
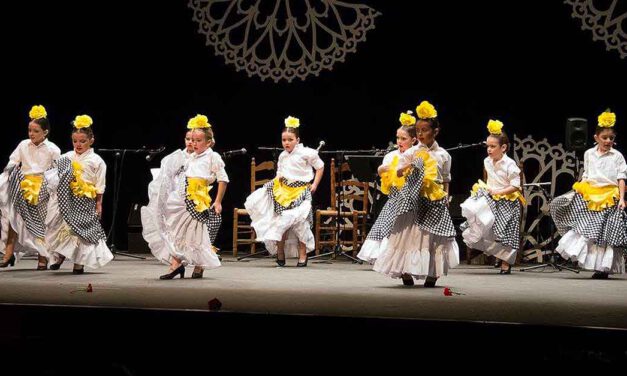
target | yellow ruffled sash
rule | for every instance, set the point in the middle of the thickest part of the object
(31, 185)
(79, 186)
(597, 198)
(430, 188)
(198, 193)
(390, 179)
(510, 196)
(284, 194)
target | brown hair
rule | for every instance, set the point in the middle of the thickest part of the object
(295, 131)
(600, 129)
(208, 135)
(43, 123)
(501, 138)
(86, 130)
(410, 129)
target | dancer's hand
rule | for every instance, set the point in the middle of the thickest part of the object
(217, 207)
(621, 204)
(313, 188)
(99, 210)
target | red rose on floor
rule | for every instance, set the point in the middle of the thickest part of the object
(448, 292)
(215, 304)
(89, 288)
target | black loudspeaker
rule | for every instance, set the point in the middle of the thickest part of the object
(136, 242)
(576, 134)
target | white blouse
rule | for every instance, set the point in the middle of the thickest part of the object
(503, 173)
(94, 168)
(207, 165)
(442, 157)
(35, 159)
(298, 164)
(389, 157)
(604, 169)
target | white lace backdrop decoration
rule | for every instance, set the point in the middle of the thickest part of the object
(543, 162)
(605, 19)
(283, 39)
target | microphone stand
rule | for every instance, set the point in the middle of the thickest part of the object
(339, 193)
(461, 146)
(118, 163)
(552, 256)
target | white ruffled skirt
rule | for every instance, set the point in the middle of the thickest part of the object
(480, 234)
(416, 252)
(26, 243)
(590, 256)
(270, 227)
(185, 238)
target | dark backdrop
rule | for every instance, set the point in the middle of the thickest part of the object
(141, 70)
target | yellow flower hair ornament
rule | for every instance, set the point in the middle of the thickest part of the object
(607, 119)
(37, 112)
(197, 122)
(292, 122)
(82, 121)
(407, 119)
(425, 110)
(495, 127)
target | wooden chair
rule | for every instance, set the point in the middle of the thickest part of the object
(486, 259)
(243, 233)
(353, 221)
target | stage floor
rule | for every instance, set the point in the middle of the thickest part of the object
(339, 288)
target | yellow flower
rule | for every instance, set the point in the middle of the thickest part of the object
(607, 119)
(82, 121)
(198, 121)
(495, 127)
(37, 112)
(406, 119)
(425, 110)
(292, 122)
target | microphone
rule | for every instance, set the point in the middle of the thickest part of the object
(269, 148)
(320, 145)
(153, 152)
(230, 153)
(391, 147)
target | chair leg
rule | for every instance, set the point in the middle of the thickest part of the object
(355, 225)
(317, 234)
(468, 255)
(235, 219)
(253, 244)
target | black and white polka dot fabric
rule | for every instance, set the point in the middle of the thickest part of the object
(434, 217)
(409, 195)
(507, 216)
(430, 216)
(606, 227)
(209, 217)
(278, 208)
(382, 227)
(78, 212)
(34, 216)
